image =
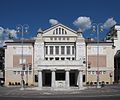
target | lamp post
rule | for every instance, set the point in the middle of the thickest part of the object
(97, 28)
(22, 29)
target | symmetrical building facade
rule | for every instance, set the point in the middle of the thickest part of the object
(58, 57)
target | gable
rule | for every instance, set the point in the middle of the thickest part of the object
(59, 30)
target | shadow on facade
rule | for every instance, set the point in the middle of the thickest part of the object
(117, 67)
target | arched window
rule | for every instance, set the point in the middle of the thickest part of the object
(59, 31)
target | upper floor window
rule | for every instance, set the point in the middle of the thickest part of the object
(51, 50)
(73, 50)
(46, 50)
(56, 30)
(57, 49)
(59, 31)
(62, 50)
(68, 50)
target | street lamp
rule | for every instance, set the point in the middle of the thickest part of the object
(22, 29)
(97, 28)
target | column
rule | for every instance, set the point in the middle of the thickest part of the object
(53, 79)
(67, 78)
(59, 50)
(80, 79)
(40, 79)
(70, 50)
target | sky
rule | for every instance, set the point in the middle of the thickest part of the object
(37, 13)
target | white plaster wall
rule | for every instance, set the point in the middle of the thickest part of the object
(80, 51)
(38, 52)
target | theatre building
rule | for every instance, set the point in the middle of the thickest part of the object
(58, 58)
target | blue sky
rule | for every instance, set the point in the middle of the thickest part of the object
(36, 13)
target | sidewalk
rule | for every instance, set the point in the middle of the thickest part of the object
(30, 92)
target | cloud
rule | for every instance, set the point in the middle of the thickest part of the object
(1, 31)
(83, 23)
(11, 33)
(53, 22)
(109, 23)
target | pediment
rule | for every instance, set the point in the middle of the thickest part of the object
(59, 30)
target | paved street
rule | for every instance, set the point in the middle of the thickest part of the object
(112, 91)
(62, 98)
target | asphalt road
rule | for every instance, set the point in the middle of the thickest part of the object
(111, 92)
(62, 98)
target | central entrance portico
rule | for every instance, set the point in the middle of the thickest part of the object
(60, 56)
(60, 78)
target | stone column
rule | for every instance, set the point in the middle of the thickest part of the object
(53, 79)
(40, 79)
(80, 79)
(67, 78)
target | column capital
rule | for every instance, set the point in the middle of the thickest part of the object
(67, 69)
(80, 70)
(39, 70)
(53, 69)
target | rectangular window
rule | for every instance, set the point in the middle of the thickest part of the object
(73, 50)
(57, 49)
(46, 50)
(56, 58)
(68, 58)
(68, 50)
(46, 58)
(22, 61)
(51, 50)
(60, 76)
(62, 50)
(73, 58)
(62, 58)
(51, 58)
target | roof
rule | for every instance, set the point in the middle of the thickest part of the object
(59, 24)
(20, 41)
(95, 41)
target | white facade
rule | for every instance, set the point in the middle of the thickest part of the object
(57, 50)
(59, 57)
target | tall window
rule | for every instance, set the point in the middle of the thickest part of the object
(68, 50)
(62, 50)
(57, 49)
(51, 50)
(46, 50)
(73, 50)
(56, 30)
(59, 30)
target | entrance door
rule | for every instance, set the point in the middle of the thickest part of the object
(47, 79)
(72, 79)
